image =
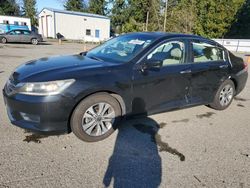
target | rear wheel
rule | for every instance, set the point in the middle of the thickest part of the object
(95, 117)
(34, 41)
(224, 95)
(4, 40)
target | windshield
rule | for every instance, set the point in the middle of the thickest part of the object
(121, 49)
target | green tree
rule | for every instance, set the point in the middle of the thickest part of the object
(214, 18)
(208, 18)
(29, 10)
(181, 16)
(136, 15)
(241, 26)
(98, 7)
(119, 15)
(9, 7)
(131, 15)
(75, 5)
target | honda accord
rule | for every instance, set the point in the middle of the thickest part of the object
(133, 74)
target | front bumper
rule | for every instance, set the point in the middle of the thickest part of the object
(39, 113)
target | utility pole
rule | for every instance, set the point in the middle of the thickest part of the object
(165, 16)
(147, 21)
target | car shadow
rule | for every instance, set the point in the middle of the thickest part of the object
(135, 161)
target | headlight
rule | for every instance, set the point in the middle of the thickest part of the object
(44, 88)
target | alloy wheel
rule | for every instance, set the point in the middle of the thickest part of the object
(98, 119)
(226, 95)
(34, 41)
(4, 40)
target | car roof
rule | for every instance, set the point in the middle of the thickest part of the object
(19, 30)
(167, 34)
(160, 35)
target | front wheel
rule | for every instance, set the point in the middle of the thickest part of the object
(95, 117)
(4, 40)
(224, 96)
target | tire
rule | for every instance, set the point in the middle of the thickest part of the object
(92, 129)
(4, 40)
(224, 96)
(34, 41)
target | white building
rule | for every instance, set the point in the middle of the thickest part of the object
(13, 20)
(73, 25)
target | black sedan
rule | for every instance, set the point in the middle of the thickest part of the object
(133, 74)
(19, 35)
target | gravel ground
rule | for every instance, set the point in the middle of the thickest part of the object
(194, 147)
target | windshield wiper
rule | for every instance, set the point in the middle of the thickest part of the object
(95, 58)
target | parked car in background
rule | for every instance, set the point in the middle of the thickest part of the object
(132, 74)
(19, 35)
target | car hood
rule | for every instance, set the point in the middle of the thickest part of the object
(51, 65)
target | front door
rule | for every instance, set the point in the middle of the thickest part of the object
(12, 36)
(166, 87)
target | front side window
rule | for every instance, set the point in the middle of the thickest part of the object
(23, 23)
(121, 49)
(204, 52)
(17, 32)
(88, 32)
(169, 53)
(11, 33)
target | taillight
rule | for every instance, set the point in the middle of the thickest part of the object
(246, 62)
(246, 66)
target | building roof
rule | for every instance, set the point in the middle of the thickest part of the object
(76, 13)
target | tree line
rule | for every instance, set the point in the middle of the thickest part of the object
(208, 18)
(26, 8)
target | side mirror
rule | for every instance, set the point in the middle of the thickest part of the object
(151, 64)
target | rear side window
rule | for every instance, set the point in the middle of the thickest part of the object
(204, 52)
(26, 32)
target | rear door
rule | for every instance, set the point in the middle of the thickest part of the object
(209, 69)
(26, 36)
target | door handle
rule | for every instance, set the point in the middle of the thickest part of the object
(186, 71)
(223, 66)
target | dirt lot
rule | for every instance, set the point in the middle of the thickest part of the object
(195, 147)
